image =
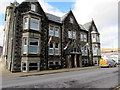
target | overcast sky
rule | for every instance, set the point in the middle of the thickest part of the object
(104, 13)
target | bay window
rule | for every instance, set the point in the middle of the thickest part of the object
(26, 22)
(34, 23)
(95, 50)
(93, 37)
(25, 45)
(34, 46)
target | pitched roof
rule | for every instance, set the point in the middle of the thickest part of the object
(82, 27)
(64, 16)
(87, 25)
(53, 18)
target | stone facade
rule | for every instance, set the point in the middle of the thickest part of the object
(28, 49)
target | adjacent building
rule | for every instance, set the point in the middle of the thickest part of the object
(35, 40)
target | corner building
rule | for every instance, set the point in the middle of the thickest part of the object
(35, 40)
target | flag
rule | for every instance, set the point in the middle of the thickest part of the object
(66, 46)
(88, 45)
(50, 40)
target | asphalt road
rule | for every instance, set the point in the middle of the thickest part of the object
(91, 78)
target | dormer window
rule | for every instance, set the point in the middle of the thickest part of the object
(33, 7)
(71, 20)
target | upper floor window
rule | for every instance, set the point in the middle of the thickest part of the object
(26, 22)
(33, 46)
(53, 31)
(33, 7)
(56, 31)
(34, 23)
(72, 34)
(69, 34)
(81, 37)
(71, 20)
(85, 38)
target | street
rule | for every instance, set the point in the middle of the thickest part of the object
(90, 78)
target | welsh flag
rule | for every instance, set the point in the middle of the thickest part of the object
(66, 45)
(50, 40)
(88, 45)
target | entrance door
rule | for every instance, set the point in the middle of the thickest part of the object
(77, 61)
(72, 61)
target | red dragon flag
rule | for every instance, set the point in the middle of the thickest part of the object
(50, 40)
(66, 46)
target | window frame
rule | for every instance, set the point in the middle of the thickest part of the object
(25, 45)
(33, 7)
(56, 35)
(74, 34)
(38, 21)
(24, 24)
(37, 46)
(51, 49)
(51, 30)
(85, 38)
(56, 49)
(70, 34)
(81, 37)
(71, 20)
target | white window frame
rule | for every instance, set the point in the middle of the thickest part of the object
(69, 34)
(71, 20)
(33, 7)
(81, 37)
(25, 52)
(56, 30)
(85, 38)
(37, 46)
(26, 24)
(93, 37)
(57, 49)
(51, 49)
(74, 34)
(51, 30)
(95, 50)
(34, 21)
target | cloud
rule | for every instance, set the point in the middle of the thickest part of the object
(104, 12)
(105, 15)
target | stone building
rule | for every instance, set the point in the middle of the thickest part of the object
(35, 40)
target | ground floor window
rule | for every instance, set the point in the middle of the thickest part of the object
(33, 66)
(24, 66)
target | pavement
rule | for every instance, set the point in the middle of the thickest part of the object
(6, 73)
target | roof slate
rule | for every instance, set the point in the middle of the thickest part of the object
(53, 18)
(82, 27)
(87, 25)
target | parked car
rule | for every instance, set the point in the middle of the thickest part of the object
(107, 63)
